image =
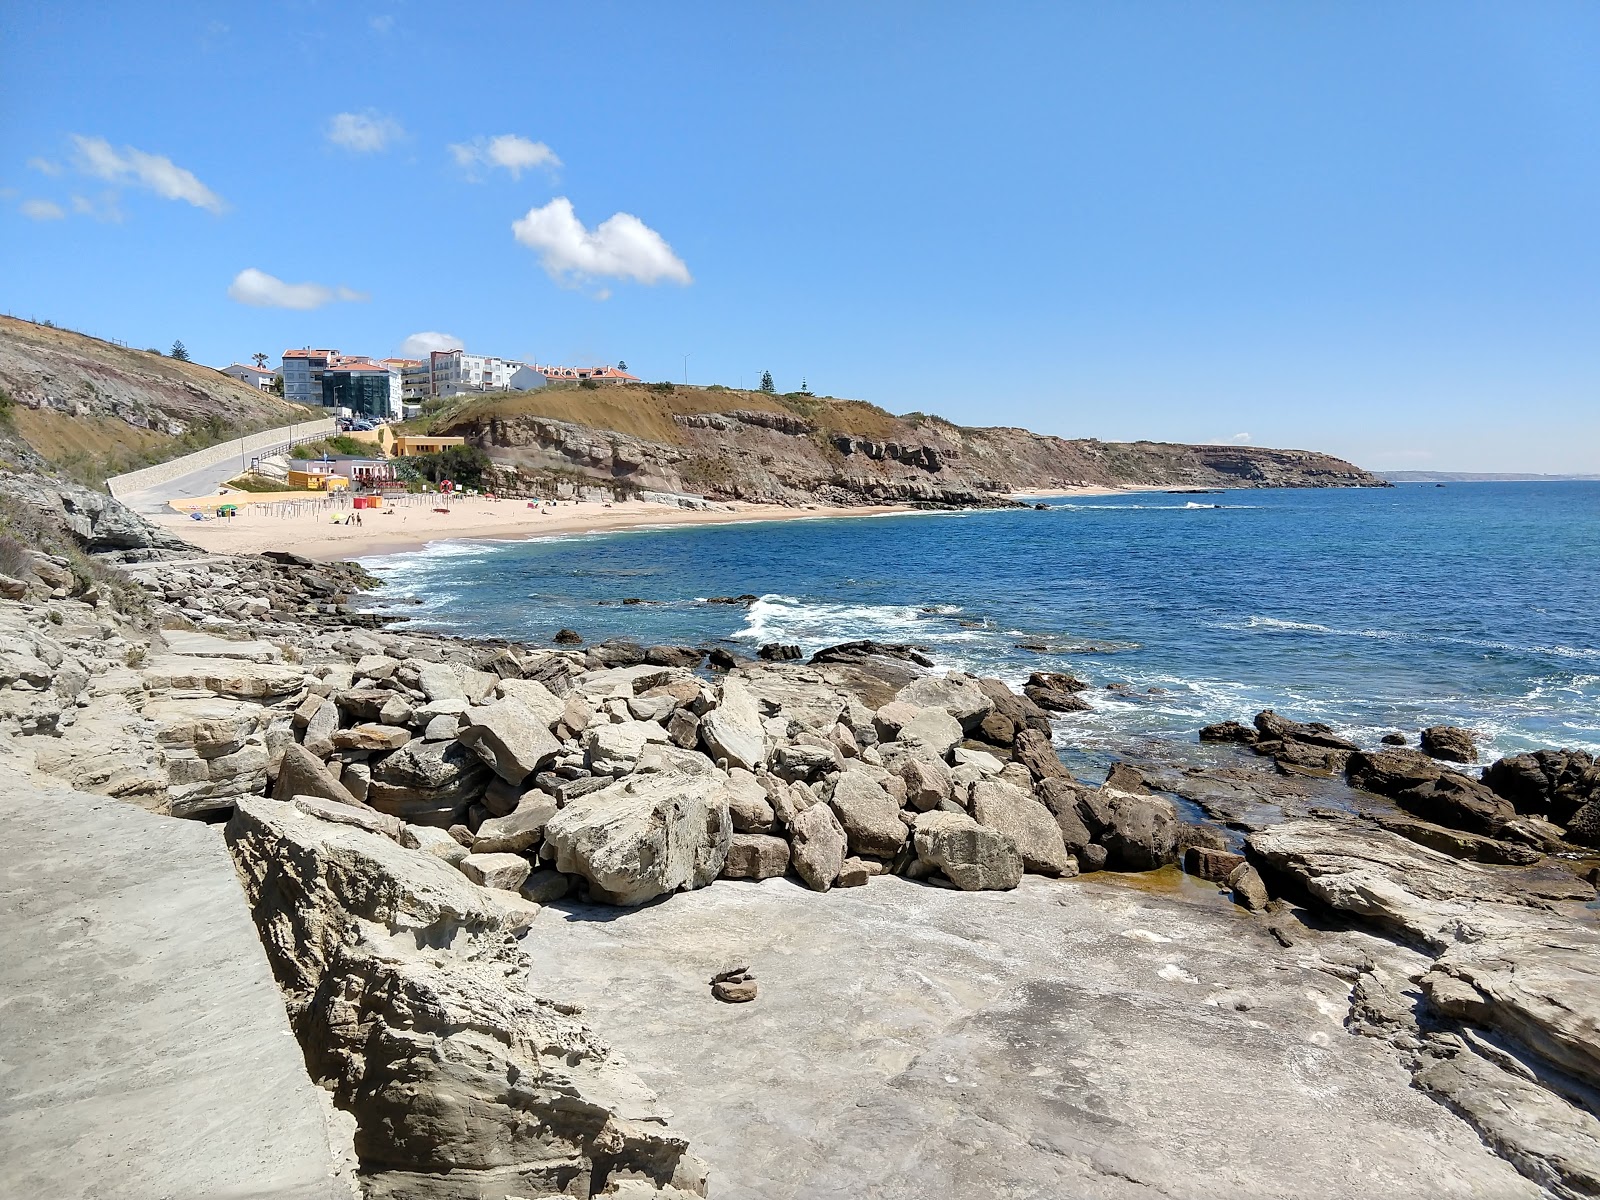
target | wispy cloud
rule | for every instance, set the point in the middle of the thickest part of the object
(45, 166)
(383, 23)
(508, 151)
(620, 247)
(42, 210)
(261, 290)
(96, 156)
(365, 132)
(108, 209)
(420, 345)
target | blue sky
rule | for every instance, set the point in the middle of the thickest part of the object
(1370, 229)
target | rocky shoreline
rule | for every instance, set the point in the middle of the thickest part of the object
(402, 806)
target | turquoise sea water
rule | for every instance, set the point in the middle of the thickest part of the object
(1473, 604)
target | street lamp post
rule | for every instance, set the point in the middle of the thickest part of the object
(686, 359)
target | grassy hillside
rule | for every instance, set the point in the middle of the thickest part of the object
(647, 410)
(92, 409)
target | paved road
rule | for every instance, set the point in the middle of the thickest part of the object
(200, 482)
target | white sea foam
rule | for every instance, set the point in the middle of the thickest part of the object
(812, 625)
(1276, 624)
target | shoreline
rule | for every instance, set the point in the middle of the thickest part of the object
(414, 526)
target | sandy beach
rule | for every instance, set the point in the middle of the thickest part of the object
(308, 528)
(314, 535)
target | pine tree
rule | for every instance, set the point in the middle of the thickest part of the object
(622, 364)
(179, 352)
(766, 383)
(805, 388)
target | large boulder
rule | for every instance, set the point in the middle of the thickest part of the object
(645, 836)
(215, 750)
(1550, 783)
(405, 987)
(957, 694)
(756, 856)
(1068, 800)
(748, 805)
(1036, 752)
(511, 738)
(1272, 727)
(1056, 692)
(870, 816)
(301, 773)
(928, 782)
(817, 845)
(615, 749)
(1028, 823)
(972, 856)
(519, 830)
(1138, 830)
(1434, 793)
(428, 783)
(1450, 743)
(931, 730)
(733, 730)
(505, 872)
(538, 699)
(1012, 714)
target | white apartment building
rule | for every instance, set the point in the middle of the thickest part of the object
(451, 372)
(408, 379)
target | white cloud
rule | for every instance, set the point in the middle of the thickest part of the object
(42, 210)
(620, 247)
(261, 290)
(44, 166)
(96, 156)
(420, 345)
(382, 23)
(1238, 439)
(364, 133)
(507, 150)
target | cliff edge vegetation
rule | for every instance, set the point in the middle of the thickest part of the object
(798, 449)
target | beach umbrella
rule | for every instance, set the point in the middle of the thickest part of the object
(227, 510)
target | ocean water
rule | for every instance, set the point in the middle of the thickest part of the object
(1372, 610)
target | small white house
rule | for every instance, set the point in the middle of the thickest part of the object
(259, 378)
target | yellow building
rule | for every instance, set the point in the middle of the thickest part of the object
(410, 445)
(314, 476)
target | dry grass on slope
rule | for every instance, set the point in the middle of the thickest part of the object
(642, 411)
(26, 335)
(91, 408)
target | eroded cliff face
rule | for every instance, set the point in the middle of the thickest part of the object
(91, 408)
(785, 458)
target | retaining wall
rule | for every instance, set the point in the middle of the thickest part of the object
(266, 442)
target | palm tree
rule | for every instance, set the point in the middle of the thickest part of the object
(259, 359)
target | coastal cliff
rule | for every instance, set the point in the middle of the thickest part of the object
(803, 450)
(91, 408)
